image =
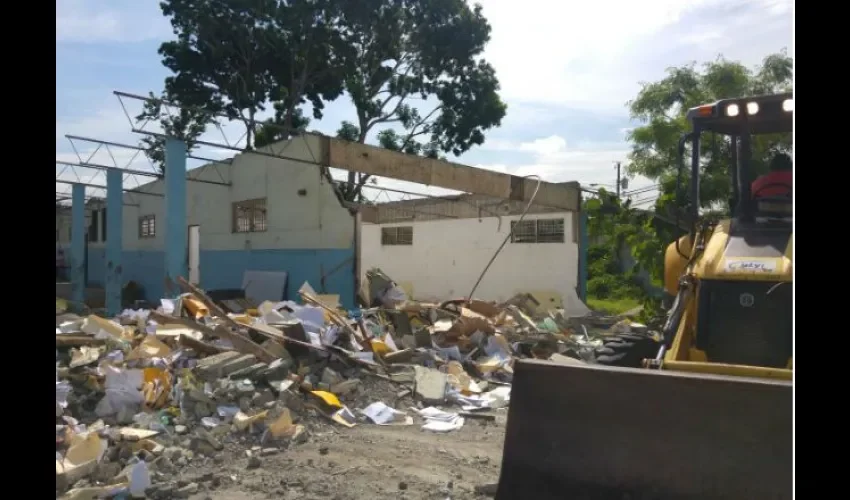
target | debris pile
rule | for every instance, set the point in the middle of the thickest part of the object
(143, 394)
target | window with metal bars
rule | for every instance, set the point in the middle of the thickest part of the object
(147, 226)
(249, 216)
(400, 235)
(537, 231)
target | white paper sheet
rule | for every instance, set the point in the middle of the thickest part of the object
(438, 420)
(382, 414)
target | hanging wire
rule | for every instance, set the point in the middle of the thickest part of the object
(508, 237)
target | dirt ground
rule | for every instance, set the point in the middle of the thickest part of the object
(362, 463)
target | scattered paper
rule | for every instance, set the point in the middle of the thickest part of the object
(382, 414)
(345, 417)
(438, 420)
(122, 391)
(167, 306)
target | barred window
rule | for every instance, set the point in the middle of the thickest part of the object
(249, 216)
(401, 235)
(537, 231)
(147, 226)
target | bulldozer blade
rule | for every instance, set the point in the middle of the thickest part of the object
(588, 432)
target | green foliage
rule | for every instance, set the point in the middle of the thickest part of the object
(661, 108)
(612, 226)
(612, 306)
(186, 123)
(275, 129)
(392, 57)
(425, 52)
(232, 57)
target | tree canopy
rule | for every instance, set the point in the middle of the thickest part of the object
(186, 123)
(416, 64)
(412, 68)
(660, 107)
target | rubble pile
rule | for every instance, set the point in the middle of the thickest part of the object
(143, 394)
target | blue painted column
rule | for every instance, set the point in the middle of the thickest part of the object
(78, 242)
(114, 234)
(583, 244)
(176, 229)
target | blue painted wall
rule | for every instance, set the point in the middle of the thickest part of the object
(224, 269)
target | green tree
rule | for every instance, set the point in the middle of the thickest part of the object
(232, 57)
(185, 123)
(615, 226)
(416, 64)
(275, 129)
(660, 107)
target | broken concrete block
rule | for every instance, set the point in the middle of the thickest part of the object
(276, 348)
(217, 359)
(346, 387)
(431, 385)
(249, 372)
(277, 370)
(237, 364)
(222, 365)
(331, 377)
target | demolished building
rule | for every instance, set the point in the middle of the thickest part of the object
(273, 211)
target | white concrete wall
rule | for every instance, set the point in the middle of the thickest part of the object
(448, 255)
(313, 221)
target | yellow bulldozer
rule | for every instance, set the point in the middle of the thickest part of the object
(704, 410)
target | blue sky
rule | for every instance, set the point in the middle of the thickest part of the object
(567, 69)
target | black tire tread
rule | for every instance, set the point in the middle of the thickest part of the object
(626, 350)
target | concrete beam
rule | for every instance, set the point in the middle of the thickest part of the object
(372, 160)
(78, 242)
(114, 232)
(176, 229)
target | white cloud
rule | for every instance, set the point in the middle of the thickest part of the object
(592, 54)
(591, 164)
(97, 21)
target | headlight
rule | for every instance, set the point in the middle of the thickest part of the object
(788, 105)
(732, 110)
(752, 108)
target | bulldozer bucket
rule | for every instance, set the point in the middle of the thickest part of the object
(592, 432)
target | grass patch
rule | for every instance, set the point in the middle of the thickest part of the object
(612, 306)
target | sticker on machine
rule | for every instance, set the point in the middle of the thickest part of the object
(750, 266)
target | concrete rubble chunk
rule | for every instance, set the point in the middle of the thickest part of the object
(430, 385)
(331, 377)
(250, 371)
(223, 365)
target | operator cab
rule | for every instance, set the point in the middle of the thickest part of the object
(729, 328)
(740, 119)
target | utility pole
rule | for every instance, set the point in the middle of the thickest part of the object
(618, 180)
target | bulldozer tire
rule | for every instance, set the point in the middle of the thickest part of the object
(627, 350)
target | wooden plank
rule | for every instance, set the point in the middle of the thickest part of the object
(242, 343)
(264, 330)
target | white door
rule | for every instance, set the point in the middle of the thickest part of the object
(194, 254)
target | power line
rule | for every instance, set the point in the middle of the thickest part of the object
(649, 199)
(643, 189)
